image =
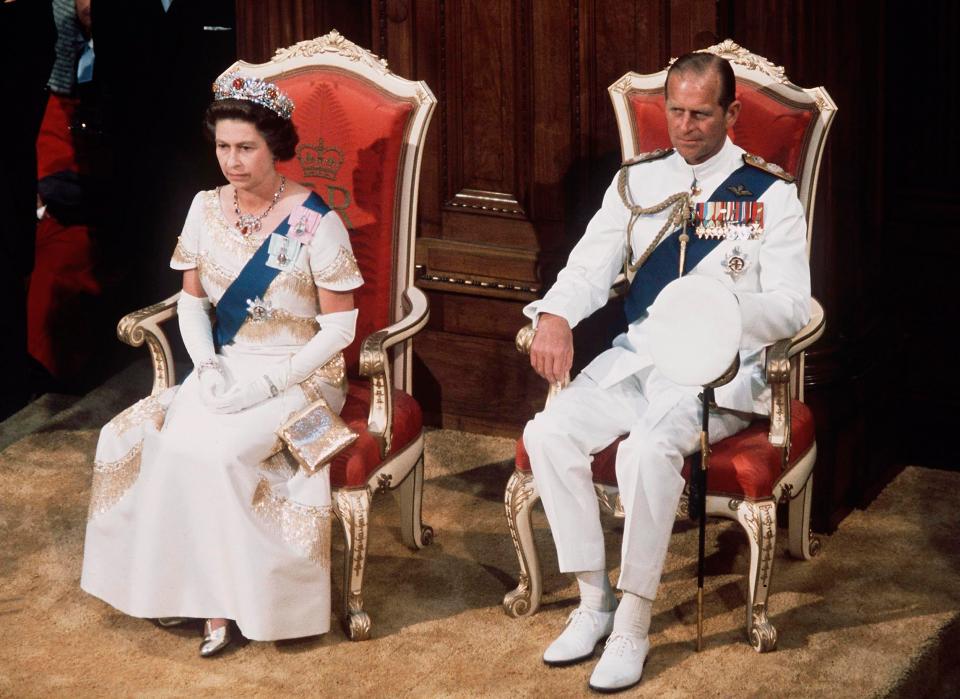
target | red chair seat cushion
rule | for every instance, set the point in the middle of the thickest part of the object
(745, 465)
(353, 466)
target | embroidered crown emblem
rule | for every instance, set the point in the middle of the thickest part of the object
(316, 160)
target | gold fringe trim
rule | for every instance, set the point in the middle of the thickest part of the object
(342, 273)
(296, 282)
(150, 409)
(111, 480)
(280, 325)
(334, 373)
(217, 273)
(304, 296)
(281, 463)
(305, 528)
(181, 256)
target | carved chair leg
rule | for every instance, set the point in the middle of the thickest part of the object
(413, 531)
(801, 543)
(353, 509)
(520, 497)
(759, 519)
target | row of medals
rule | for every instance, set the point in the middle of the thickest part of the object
(732, 220)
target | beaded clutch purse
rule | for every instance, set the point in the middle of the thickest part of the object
(316, 434)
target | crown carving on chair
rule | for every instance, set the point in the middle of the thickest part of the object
(316, 160)
(250, 89)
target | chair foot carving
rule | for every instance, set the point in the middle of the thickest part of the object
(353, 510)
(413, 532)
(520, 497)
(759, 519)
(516, 603)
(357, 624)
(763, 635)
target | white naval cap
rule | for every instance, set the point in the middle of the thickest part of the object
(694, 329)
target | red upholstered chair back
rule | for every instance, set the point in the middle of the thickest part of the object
(781, 122)
(360, 128)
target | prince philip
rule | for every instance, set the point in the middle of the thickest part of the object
(704, 207)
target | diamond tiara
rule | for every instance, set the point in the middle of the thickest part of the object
(265, 94)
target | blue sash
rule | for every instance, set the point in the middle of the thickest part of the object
(252, 282)
(664, 262)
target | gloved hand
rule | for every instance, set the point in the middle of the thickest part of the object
(213, 383)
(337, 331)
(242, 396)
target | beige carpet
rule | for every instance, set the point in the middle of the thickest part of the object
(869, 617)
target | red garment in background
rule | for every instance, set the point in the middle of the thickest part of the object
(62, 286)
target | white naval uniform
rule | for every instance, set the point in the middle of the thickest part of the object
(621, 392)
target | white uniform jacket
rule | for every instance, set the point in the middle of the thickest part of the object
(773, 288)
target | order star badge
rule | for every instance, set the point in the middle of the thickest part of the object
(735, 263)
(259, 309)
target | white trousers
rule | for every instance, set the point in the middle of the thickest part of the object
(663, 423)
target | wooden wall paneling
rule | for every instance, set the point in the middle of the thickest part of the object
(407, 36)
(474, 249)
(263, 27)
(550, 122)
(486, 168)
(692, 25)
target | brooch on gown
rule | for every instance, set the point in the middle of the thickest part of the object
(282, 251)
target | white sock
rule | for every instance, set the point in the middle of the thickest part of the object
(595, 591)
(633, 615)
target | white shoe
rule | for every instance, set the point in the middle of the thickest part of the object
(621, 664)
(585, 628)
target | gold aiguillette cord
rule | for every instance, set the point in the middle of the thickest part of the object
(684, 239)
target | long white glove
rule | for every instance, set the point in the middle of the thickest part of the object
(336, 332)
(193, 314)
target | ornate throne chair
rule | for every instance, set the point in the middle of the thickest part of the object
(362, 131)
(772, 460)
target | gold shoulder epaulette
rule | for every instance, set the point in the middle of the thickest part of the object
(774, 169)
(647, 157)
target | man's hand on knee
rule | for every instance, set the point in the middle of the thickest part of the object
(551, 354)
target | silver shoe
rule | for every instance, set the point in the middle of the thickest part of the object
(214, 640)
(168, 621)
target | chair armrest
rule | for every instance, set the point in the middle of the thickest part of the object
(375, 363)
(778, 367)
(144, 326)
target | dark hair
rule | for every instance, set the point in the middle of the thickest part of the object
(279, 133)
(701, 63)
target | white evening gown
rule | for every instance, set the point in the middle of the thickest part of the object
(199, 514)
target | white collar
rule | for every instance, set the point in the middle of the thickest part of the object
(717, 164)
